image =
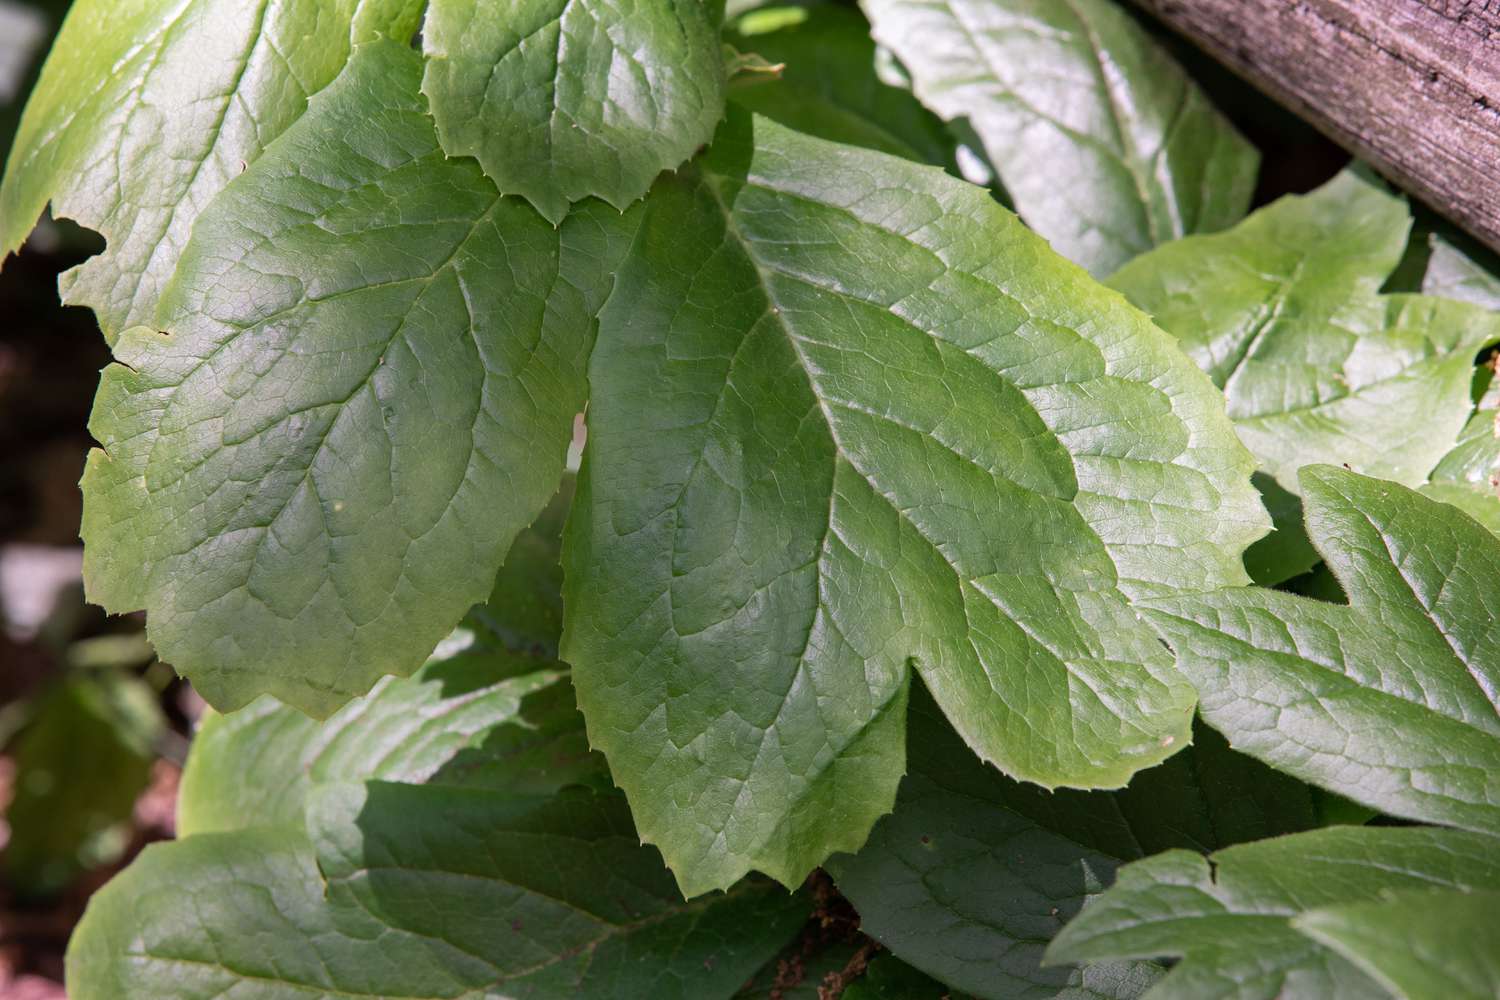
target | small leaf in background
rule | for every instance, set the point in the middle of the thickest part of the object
(1105, 145)
(1283, 312)
(80, 764)
(561, 100)
(828, 86)
(144, 111)
(973, 872)
(1468, 477)
(887, 427)
(313, 475)
(1392, 701)
(1248, 922)
(1457, 268)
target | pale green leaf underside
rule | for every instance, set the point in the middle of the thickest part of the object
(1422, 945)
(847, 415)
(1393, 701)
(1234, 919)
(145, 110)
(431, 892)
(366, 385)
(561, 100)
(1105, 144)
(1284, 314)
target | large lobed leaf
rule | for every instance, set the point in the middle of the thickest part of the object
(848, 415)
(366, 386)
(1107, 147)
(145, 110)
(561, 100)
(1293, 918)
(1392, 701)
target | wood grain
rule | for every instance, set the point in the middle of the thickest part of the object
(1412, 86)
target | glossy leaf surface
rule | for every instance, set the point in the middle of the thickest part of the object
(1421, 945)
(1390, 701)
(1283, 313)
(1105, 145)
(886, 427)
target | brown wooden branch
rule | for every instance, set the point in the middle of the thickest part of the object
(1412, 86)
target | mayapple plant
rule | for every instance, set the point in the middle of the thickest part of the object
(940, 397)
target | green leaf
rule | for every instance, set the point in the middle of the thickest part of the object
(1421, 945)
(524, 611)
(974, 872)
(1106, 146)
(828, 87)
(365, 389)
(886, 426)
(564, 99)
(1282, 311)
(889, 978)
(1391, 700)
(431, 892)
(80, 764)
(1468, 477)
(146, 110)
(1286, 552)
(1234, 918)
(1465, 272)
(475, 716)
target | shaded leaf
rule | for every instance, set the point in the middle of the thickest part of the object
(432, 893)
(475, 716)
(973, 873)
(80, 764)
(1105, 145)
(561, 100)
(886, 426)
(828, 87)
(312, 475)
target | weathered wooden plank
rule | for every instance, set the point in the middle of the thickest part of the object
(1412, 86)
